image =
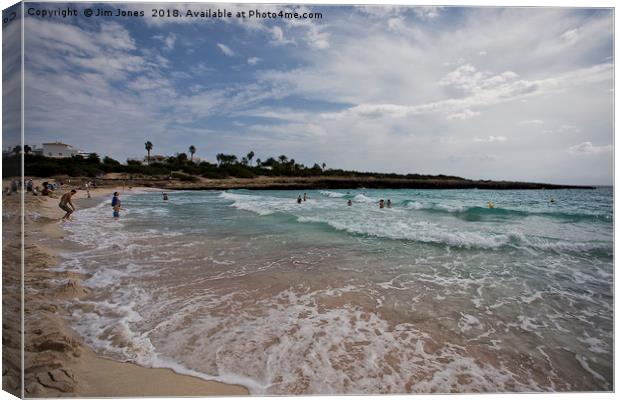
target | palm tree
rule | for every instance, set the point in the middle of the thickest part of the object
(148, 146)
(258, 162)
(250, 156)
(192, 150)
(323, 165)
(283, 158)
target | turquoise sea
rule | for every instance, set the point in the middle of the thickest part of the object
(438, 293)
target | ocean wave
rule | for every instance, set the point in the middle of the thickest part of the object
(332, 194)
(426, 232)
(477, 213)
(374, 222)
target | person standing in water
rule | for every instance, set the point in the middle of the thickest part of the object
(381, 204)
(389, 203)
(67, 205)
(116, 205)
(349, 203)
(165, 196)
(305, 196)
(299, 199)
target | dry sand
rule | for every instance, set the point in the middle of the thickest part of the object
(57, 362)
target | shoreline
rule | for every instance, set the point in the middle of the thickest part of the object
(57, 360)
(318, 183)
(119, 180)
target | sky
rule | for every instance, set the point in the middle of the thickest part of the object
(483, 93)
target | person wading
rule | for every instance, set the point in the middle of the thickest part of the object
(67, 205)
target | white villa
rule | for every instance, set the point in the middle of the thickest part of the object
(59, 150)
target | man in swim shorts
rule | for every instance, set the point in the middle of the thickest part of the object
(67, 205)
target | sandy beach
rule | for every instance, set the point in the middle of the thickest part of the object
(57, 362)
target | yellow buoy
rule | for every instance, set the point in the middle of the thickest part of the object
(491, 205)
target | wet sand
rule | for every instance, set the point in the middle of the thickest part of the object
(57, 362)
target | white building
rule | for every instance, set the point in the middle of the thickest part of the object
(59, 150)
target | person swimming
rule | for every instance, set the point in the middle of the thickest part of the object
(349, 202)
(381, 203)
(165, 196)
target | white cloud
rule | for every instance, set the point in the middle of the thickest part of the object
(532, 122)
(587, 148)
(427, 13)
(226, 50)
(200, 69)
(468, 78)
(568, 128)
(491, 139)
(253, 60)
(167, 40)
(465, 114)
(570, 35)
(277, 34)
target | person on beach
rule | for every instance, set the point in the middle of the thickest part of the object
(389, 203)
(349, 202)
(299, 199)
(381, 203)
(116, 205)
(305, 196)
(165, 196)
(67, 205)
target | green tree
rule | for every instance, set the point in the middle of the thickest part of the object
(182, 158)
(148, 146)
(250, 156)
(283, 159)
(93, 158)
(258, 163)
(192, 151)
(110, 161)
